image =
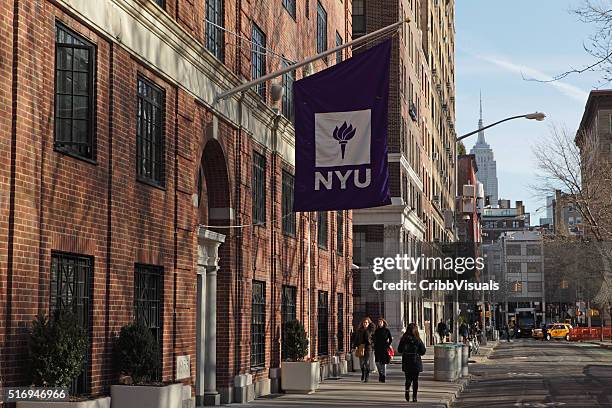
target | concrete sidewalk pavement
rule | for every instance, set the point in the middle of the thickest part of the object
(349, 391)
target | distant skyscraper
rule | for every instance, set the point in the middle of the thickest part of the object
(487, 168)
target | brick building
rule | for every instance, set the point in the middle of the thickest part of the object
(422, 152)
(127, 191)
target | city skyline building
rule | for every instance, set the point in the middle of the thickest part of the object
(487, 167)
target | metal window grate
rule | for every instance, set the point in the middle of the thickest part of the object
(215, 36)
(288, 107)
(340, 232)
(289, 219)
(259, 59)
(259, 188)
(321, 29)
(290, 7)
(340, 322)
(322, 229)
(150, 149)
(74, 93)
(322, 324)
(339, 52)
(258, 324)
(71, 280)
(148, 289)
(288, 310)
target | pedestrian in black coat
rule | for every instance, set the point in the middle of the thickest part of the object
(364, 344)
(382, 342)
(412, 348)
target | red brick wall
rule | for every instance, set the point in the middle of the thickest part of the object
(99, 209)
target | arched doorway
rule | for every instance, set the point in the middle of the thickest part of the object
(213, 198)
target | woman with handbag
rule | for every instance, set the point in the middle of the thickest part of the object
(364, 342)
(382, 343)
(412, 348)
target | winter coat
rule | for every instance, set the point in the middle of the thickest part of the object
(412, 349)
(382, 341)
(365, 336)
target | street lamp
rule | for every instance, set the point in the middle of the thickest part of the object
(539, 116)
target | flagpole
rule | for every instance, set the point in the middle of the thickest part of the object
(308, 60)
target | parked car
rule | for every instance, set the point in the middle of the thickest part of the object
(559, 331)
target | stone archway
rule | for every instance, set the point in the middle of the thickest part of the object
(214, 209)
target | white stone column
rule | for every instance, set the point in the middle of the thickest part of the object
(211, 396)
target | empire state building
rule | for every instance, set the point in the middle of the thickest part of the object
(487, 168)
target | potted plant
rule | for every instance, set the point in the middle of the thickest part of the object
(137, 361)
(56, 351)
(297, 375)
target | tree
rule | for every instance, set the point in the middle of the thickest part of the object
(579, 167)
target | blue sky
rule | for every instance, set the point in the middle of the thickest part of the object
(495, 43)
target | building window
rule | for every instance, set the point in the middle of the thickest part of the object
(215, 39)
(259, 188)
(340, 232)
(322, 324)
(74, 93)
(148, 298)
(288, 79)
(321, 29)
(513, 267)
(307, 7)
(533, 250)
(513, 250)
(287, 204)
(290, 7)
(534, 286)
(71, 279)
(517, 286)
(258, 324)
(339, 52)
(534, 268)
(150, 150)
(322, 229)
(160, 3)
(340, 322)
(259, 58)
(359, 18)
(288, 310)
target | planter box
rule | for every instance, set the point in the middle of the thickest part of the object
(104, 402)
(300, 377)
(142, 396)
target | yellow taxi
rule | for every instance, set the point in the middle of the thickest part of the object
(558, 331)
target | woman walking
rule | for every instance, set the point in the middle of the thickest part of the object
(364, 342)
(412, 348)
(382, 342)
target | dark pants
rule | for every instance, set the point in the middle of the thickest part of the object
(412, 377)
(364, 363)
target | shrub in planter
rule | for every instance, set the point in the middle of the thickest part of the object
(297, 375)
(137, 353)
(295, 342)
(57, 349)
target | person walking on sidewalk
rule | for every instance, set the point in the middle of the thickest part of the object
(364, 342)
(412, 348)
(382, 342)
(442, 331)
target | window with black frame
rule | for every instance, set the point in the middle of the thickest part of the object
(340, 322)
(160, 3)
(74, 94)
(288, 310)
(322, 324)
(150, 149)
(289, 218)
(339, 52)
(148, 298)
(259, 188)
(71, 280)
(321, 29)
(322, 229)
(288, 79)
(258, 324)
(258, 58)
(215, 35)
(340, 232)
(289, 5)
(359, 21)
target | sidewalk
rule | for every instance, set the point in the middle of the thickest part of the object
(349, 391)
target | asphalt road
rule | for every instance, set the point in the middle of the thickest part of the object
(532, 373)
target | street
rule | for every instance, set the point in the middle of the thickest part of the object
(530, 373)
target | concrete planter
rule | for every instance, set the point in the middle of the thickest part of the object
(143, 396)
(300, 377)
(104, 402)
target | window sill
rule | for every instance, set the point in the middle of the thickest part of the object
(75, 156)
(322, 247)
(289, 235)
(150, 183)
(257, 369)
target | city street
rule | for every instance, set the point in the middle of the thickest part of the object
(530, 373)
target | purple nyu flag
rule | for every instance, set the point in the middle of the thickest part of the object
(341, 134)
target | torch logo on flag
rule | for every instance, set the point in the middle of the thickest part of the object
(341, 134)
